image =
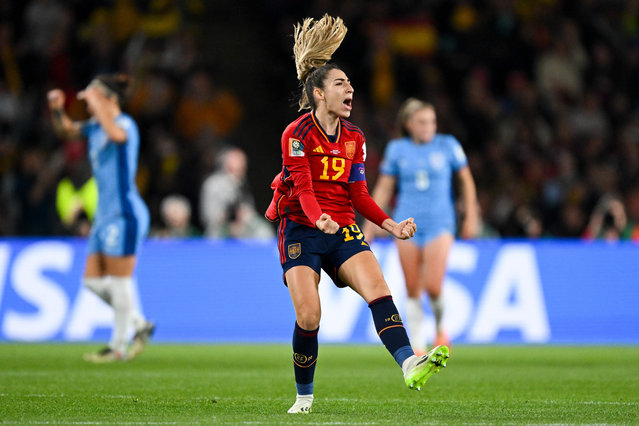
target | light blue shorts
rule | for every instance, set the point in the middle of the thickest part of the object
(428, 232)
(118, 236)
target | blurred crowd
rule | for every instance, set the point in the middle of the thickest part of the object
(543, 95)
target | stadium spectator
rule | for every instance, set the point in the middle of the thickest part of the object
(486, 66)
(34, 189)
(608, 220)
(176, 218)
(227, 208)
(206, 108)
(77, 191)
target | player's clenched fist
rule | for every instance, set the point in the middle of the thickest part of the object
(326, 224)
(405, 229)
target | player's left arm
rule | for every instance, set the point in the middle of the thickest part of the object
(469, 198)
(468, 191)
(99, 104)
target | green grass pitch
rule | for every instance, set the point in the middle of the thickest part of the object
(354, 384)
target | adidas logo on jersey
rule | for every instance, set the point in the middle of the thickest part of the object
(319, 150)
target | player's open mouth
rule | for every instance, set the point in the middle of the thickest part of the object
(348, 103)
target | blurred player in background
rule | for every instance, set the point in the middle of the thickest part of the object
(422, 164)
(322, 179)
(122, 219)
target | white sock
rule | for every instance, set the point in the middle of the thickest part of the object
(309, 397)
(122, 309)
(437, 305)
(414, 318)
(99, 286)
(408, 362)
(137, 320)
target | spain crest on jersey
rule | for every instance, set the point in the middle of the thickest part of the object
(350, 148)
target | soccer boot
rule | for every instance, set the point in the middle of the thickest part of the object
(417, 370)
(104, 356)
(302, 405)
(141, 339)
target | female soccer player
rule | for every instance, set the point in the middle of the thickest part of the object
(122, 219)
(322, 179)
(422, 164)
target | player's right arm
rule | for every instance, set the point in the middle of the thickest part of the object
(295, 159)
(98, 104)
(384, 190)
(62, 124)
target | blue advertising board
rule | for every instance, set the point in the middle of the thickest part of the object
(515, 292)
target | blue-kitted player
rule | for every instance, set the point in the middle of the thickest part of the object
(421, 166)
(122, 218)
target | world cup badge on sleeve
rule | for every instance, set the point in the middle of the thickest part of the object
(296, 148)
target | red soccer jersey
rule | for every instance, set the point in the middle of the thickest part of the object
(307, 150)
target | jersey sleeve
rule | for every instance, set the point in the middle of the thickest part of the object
(130, 128)
(295, 161)
(458, 156)
(360, 153)
(389, 164)
(358, 172)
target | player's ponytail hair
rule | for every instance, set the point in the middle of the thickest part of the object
(408, 108)
(116, 85)
(315, 43)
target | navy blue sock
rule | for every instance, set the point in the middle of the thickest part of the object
(390, 328)
(304, 358)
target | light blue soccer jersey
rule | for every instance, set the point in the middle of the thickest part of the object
(122, 218)
(424, 174)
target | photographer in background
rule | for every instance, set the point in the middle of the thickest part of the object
(227, 208)
(608, 220)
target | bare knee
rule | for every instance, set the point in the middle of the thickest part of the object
(413, 292)
(434, 293)
(308, 319)
(434, 285)
(308, 315)
(374, 290)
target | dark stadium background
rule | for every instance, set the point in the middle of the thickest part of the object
(543, 95)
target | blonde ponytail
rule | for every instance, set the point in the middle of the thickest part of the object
(315, 43)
